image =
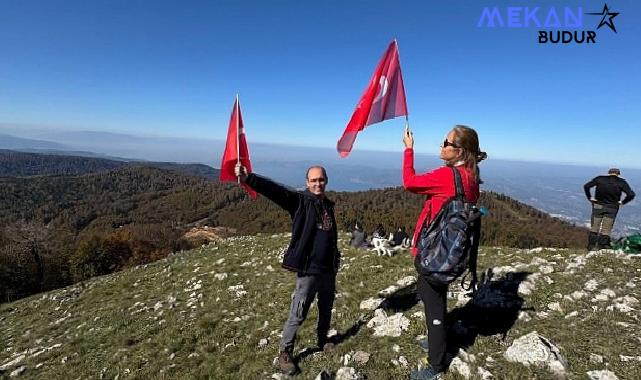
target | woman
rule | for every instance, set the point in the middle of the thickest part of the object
(461, 151)
(359, 237)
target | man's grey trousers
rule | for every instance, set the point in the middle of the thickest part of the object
(603, 219)
(307, 287)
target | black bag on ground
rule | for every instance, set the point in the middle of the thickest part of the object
(449, 244)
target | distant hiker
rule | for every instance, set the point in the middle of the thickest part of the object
(359, 237)
(379, 241)
(605, 205)
(400, 238)
(460, 151)
(313, 254)
(379, 232)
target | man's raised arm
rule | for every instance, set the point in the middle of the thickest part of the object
(279, 194)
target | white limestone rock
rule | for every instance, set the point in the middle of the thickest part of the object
(388, 291)
(371, 303)
(484, 374)
(555, 306)
(626, 358)
(524, 316)
(348, 373)
(18, 371)
(591, 285)
(596, 359)
(361, 357)
(602, 375)
(546, 269)
(608, 293)
(462, 368)
(534, 349)
(12, 363)
(388, 326)
(406, 281)
(577, 295)
(528, 286)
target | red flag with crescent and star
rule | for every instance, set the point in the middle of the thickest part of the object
(236, 150)
(384, 98)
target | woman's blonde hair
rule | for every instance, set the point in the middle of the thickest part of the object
(466, 139)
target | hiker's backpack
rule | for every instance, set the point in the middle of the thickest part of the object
(628, 244)
(445, 245)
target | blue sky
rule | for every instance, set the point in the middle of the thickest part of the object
(170, 68)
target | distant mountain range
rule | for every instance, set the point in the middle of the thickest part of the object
(554, 188)
(19, 143)
(24, 164)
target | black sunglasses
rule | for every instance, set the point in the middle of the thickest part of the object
(447, 143)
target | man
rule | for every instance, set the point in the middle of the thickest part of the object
(312, 254)
(359, 237)
(399, 238)
(605, 205)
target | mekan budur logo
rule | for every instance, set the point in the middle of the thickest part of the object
(556, 25)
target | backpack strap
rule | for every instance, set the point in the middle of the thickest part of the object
(458, 183)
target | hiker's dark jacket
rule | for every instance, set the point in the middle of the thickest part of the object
(608, 190)
(305, 210)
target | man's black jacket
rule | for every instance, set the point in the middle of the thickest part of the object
(302, 207)
(608, 190)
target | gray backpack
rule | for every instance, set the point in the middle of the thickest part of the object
(445, 246)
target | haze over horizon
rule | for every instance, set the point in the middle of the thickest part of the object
(209, 150)
(555, 188)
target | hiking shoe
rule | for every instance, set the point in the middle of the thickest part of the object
(424, 345)
(427, 373)
(286, 363)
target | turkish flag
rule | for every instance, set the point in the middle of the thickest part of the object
(384, 98)
(236, 150)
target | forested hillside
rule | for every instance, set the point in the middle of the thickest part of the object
(14, 163)
(59, 229)
(23, 164)
(509, 223)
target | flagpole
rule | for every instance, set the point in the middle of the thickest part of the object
(407, 119)
(237, 133)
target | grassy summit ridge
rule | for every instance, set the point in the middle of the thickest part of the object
(204, 313)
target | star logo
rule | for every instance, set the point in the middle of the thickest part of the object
(607, 17)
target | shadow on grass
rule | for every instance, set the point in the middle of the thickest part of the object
(336, 339)
(401, 300)
(493, 310)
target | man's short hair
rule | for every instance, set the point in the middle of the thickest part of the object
(314, 167)
(614, 171)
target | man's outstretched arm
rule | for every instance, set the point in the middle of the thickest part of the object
(279, 194)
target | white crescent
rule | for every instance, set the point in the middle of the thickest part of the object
(383, 89)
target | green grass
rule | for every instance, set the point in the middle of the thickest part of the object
(174, 319)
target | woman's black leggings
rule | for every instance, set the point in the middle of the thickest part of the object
(434, 297)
